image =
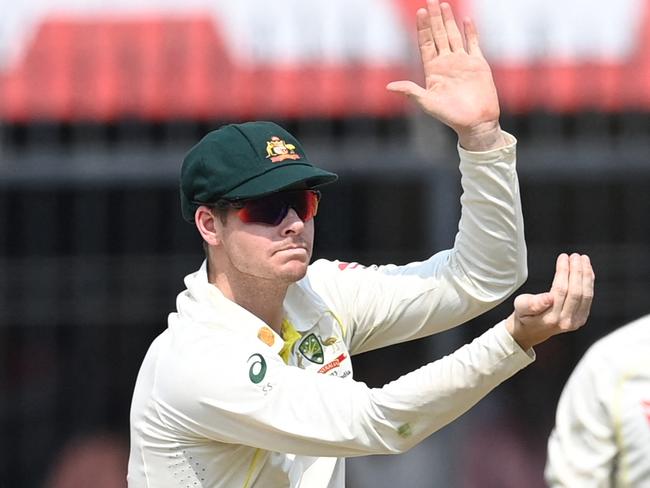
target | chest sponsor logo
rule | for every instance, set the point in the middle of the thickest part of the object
(312, 349)
(257, 370)
(333, 364)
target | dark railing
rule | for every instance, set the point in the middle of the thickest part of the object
(93, 251)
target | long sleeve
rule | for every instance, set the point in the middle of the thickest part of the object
(383, 305)
(264, 403)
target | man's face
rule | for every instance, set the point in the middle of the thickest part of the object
(268, 252)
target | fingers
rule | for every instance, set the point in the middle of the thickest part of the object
(566, 307)
(471, 36)
(428, 49)
(438, 30)
(407, 88)
(560, 285)
(588, 279)
(528, 305)
(453, 34)
(573, 290)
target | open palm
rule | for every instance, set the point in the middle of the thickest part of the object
(459, 89)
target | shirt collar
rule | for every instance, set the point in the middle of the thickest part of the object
(302, 306)
(219, 311)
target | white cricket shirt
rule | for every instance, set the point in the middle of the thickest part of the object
(223, 401)
(602, 434)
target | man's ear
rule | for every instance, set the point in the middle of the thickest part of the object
(209, 225)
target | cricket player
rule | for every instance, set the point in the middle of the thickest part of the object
(251, 384)
(602, 432)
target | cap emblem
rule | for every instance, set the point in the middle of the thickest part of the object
(277, 150)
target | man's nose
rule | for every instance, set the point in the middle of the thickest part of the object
(292, 224)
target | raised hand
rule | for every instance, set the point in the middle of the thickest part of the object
(459, 89)
(564, 308)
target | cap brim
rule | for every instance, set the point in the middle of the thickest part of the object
(282, 177)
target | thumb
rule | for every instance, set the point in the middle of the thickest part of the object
(407, 88)
(527, 304)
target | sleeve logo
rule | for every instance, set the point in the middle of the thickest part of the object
(257, 371)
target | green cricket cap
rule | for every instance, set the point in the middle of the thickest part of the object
(244, 161)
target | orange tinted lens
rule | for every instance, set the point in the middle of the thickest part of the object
(271, 210)
(309, 206)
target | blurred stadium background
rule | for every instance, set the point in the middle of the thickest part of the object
(100, 100)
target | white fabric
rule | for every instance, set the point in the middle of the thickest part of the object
(214, 406)
(602, 434)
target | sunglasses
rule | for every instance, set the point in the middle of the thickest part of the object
(272, 209)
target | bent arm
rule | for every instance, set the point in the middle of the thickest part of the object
(383, 305)
(490, 248)
(266, 404)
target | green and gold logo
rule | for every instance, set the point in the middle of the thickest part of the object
(277, 150)
(312, 349)
(257, 370)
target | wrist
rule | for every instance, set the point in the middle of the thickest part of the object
(484, 136)
(515, 329)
